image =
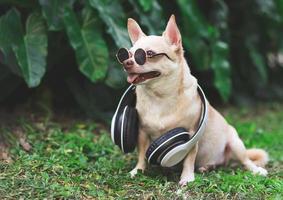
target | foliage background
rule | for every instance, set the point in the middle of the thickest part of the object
(56, 54)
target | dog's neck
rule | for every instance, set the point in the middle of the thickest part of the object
(171, 86)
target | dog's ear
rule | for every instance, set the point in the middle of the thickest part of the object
(172, 33)
(134, 30)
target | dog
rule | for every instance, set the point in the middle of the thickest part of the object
(167, 97)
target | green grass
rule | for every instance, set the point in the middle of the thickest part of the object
(82, 163)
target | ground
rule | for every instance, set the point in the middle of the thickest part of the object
(80, 162)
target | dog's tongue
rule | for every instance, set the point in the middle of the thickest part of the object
(131, 77)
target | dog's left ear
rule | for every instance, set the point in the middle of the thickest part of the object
(172, 33)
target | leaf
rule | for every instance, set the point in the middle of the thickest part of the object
(10, 29)
(193, 21)
(53, 10)
(88, 43)
(266, 8)
(204, 44)
(111, 12)
(279, 7)
(115, 77)
(30, 49)
(9, 35)
(146, 4)
(152, 19)
(219, 16)
(10, 61)
(221, 70)
(197, 33)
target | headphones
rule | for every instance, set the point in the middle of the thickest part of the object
(167, 150)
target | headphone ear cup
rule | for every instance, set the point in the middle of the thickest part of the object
(166, 142)
(130, 129)
(124, 124)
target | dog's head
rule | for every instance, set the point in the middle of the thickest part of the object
(162, 54)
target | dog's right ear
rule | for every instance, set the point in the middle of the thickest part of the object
(134, 30)
(172, 33)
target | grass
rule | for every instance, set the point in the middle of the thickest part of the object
(82, 163)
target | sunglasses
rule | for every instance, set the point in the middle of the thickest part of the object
(140, 55)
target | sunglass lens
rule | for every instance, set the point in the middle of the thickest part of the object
(140, 56)
(122, 55)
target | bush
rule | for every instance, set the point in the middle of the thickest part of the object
(234, 47)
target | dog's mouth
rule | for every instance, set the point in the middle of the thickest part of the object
(135, 78)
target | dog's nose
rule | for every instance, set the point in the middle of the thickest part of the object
(128, 64)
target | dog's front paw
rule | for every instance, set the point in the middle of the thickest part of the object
(185, 180)
(134, 172)
(260, 171)
(203, 169)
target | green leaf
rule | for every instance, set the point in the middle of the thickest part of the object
(146, 4)
(53, 10)
(279, 7)
(152, 19)
(194, 23)
(9, 35)
(204, 44)
(197, 33)
(9, 59)
(88, 43)
(221, 70)
(267, 8)
(11, 30)
(30, 48)
(111, 12)
(115, 77)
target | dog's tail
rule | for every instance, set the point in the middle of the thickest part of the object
(258, 156)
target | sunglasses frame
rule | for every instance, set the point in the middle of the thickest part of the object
(147, 56)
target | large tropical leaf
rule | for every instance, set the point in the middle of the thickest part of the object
(88, 43)
(111, 12)
(196, 33)
(53, 10)
(267, 8)
(116, 76)
(151, 18)
(194, 22)
(204, 43)
(30, 48)
(9, 35)
(146, 4)
(279, 6)
(10, 29)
